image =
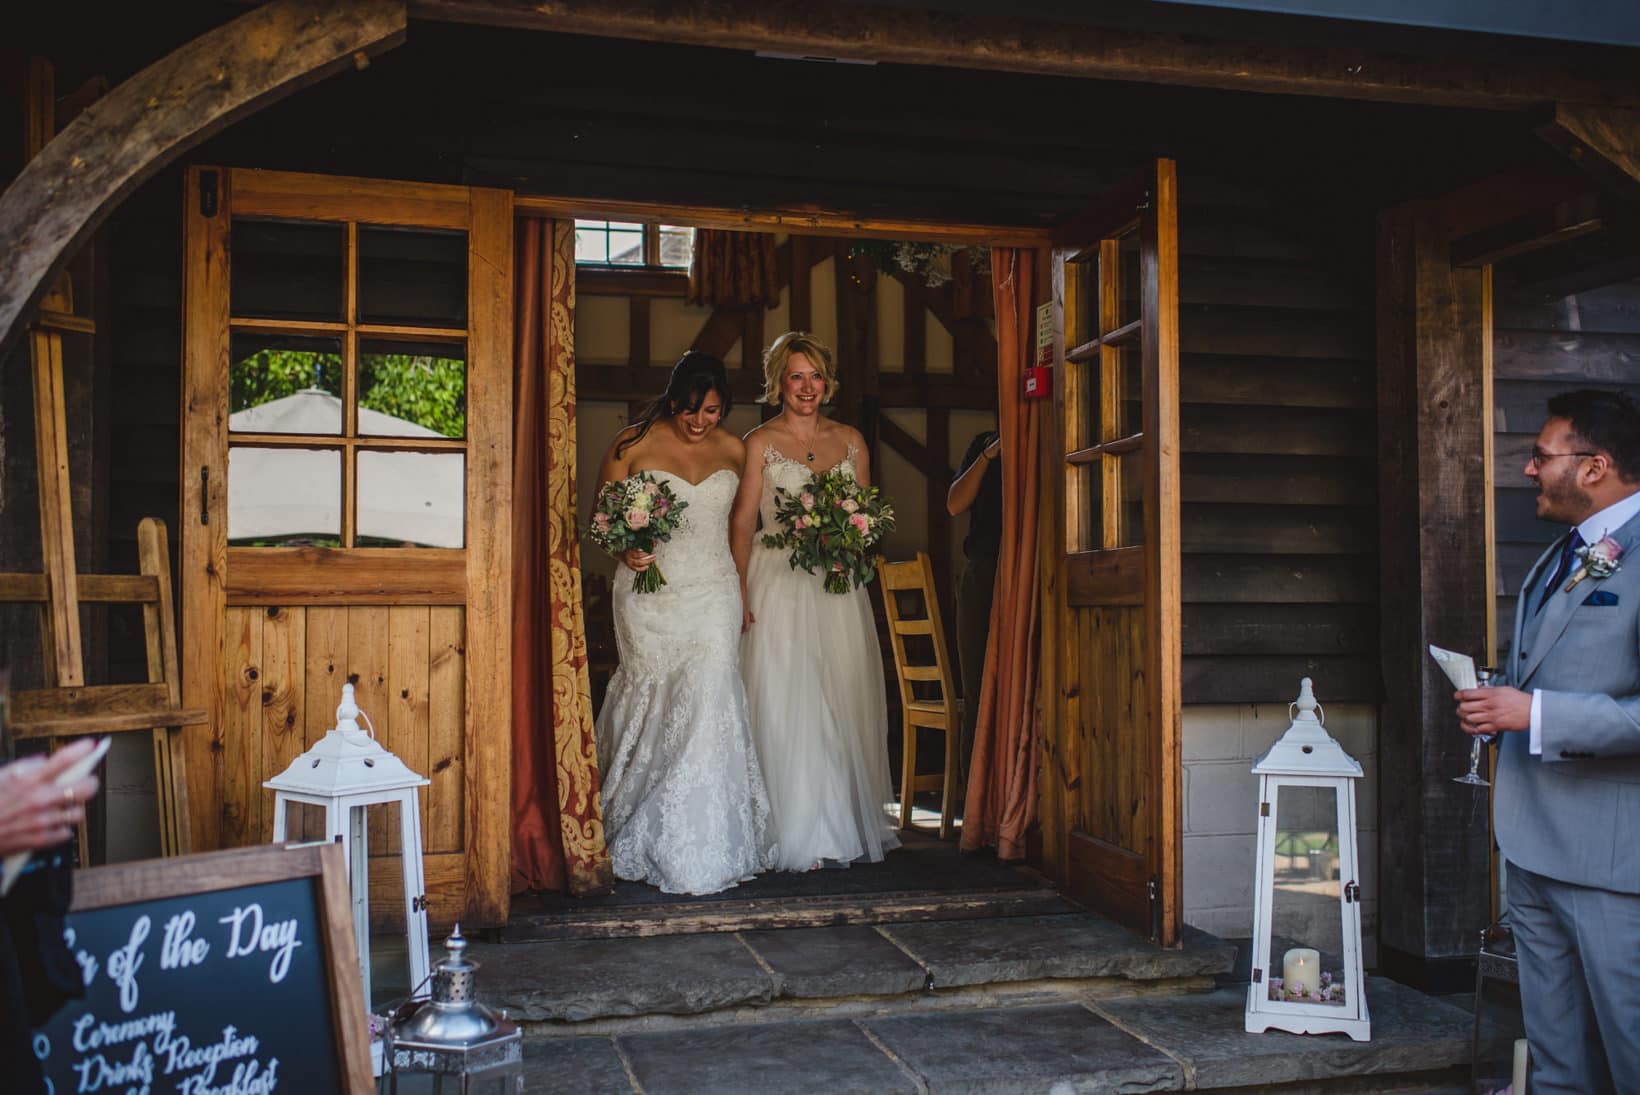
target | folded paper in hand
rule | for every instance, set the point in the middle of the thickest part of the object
(14, 863)
(1459, 668)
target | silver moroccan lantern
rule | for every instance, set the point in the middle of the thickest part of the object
(451, 1043)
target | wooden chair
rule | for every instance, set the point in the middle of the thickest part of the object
(942, 713)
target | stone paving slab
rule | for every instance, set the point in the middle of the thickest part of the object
(833, 1057)
(1411, 1033)
(1061, 1049)
(600, 978)
(852, 960)
(1026, 948)
(573, 1066)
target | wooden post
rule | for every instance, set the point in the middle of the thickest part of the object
(61, 618)
(1434, 563)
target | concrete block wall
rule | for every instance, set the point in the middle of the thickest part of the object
(1221, 742)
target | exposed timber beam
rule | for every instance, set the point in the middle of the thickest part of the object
(1531, 232)
(123, 138)
(807, 221)
(1603, 141)
(1011, 43)
(1606, 259)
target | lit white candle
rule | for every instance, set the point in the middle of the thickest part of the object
(1300, 971)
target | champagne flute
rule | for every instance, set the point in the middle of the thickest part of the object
(1473, 776)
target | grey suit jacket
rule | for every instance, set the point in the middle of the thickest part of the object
(1573, 813)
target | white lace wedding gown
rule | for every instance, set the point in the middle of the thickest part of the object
(685, 806)
(814, 687)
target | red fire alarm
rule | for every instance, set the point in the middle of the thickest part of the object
(1038, 382)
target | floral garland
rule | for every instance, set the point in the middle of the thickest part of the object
(929, 261)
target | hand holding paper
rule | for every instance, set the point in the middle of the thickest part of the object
(1459, 668)
(41, 800)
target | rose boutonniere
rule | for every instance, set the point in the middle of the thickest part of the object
(1599, 561)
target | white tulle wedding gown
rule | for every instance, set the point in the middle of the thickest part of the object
(685, 805)
(814, 687)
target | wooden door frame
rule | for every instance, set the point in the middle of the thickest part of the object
(483, 584)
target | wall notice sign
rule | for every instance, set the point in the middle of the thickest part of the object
(225, 972)
(1044, 335)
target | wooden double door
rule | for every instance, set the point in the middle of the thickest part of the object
(346, 504)
(1111, 775)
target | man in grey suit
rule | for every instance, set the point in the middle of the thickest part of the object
(1567, 803)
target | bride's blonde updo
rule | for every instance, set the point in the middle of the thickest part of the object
(780, 352)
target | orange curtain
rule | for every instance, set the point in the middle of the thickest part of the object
(1002, 787)
(737, 269)
(557, 818)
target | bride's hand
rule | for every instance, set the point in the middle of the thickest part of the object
(637, 560)
(746, 620)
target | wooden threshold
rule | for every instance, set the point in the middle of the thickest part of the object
(687, 918)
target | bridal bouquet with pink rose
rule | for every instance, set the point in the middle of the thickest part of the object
(830, 527)
(636, 512)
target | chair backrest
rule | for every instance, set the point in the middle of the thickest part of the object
(916, 576)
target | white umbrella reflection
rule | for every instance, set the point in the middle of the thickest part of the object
(413, 498)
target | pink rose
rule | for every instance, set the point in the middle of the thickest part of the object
(861, 522)
(600, 521)
(661, 506)
(807, 499)
(637, 518)
(848, 505)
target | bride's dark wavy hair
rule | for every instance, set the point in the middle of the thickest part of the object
(694, 377)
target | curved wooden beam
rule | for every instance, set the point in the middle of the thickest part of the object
(122, 139)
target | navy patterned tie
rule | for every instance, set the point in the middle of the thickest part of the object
(1563, 567)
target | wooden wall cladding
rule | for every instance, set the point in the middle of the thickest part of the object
(1589, 340)
(1278, 520)
(285, 670)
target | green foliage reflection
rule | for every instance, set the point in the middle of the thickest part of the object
(427, 390)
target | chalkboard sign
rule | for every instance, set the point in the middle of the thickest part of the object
(229, 973)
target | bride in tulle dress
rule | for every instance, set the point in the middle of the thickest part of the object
(685, 805)
(810, 659)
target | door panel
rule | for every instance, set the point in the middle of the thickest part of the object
(347, 449)
(1114, 746)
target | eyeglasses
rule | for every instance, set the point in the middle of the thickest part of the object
(1540, 458)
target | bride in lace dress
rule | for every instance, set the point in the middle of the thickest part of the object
(810, 659)
(685, 806)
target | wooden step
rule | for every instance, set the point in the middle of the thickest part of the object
(691, 917)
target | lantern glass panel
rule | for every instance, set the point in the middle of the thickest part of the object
(1307, 930)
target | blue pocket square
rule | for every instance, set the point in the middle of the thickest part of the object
(1601, 597)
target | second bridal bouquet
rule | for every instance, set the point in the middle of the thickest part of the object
(636, 512)
(830, 526)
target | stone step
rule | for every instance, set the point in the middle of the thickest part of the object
(1191, 1042)
(622, 982)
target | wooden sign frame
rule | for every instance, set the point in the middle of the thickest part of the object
(210, 872)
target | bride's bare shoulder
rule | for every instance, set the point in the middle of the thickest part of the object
(731, 446)
(759, 436)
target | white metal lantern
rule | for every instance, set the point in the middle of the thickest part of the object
(346, 771)
(1307, 903)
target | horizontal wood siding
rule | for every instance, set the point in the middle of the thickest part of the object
(1590, 340)
(145, 344)
(1278, 487)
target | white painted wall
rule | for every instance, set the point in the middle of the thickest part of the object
(1221, 742)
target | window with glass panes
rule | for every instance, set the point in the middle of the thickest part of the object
(633, 244)
(347, 385)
